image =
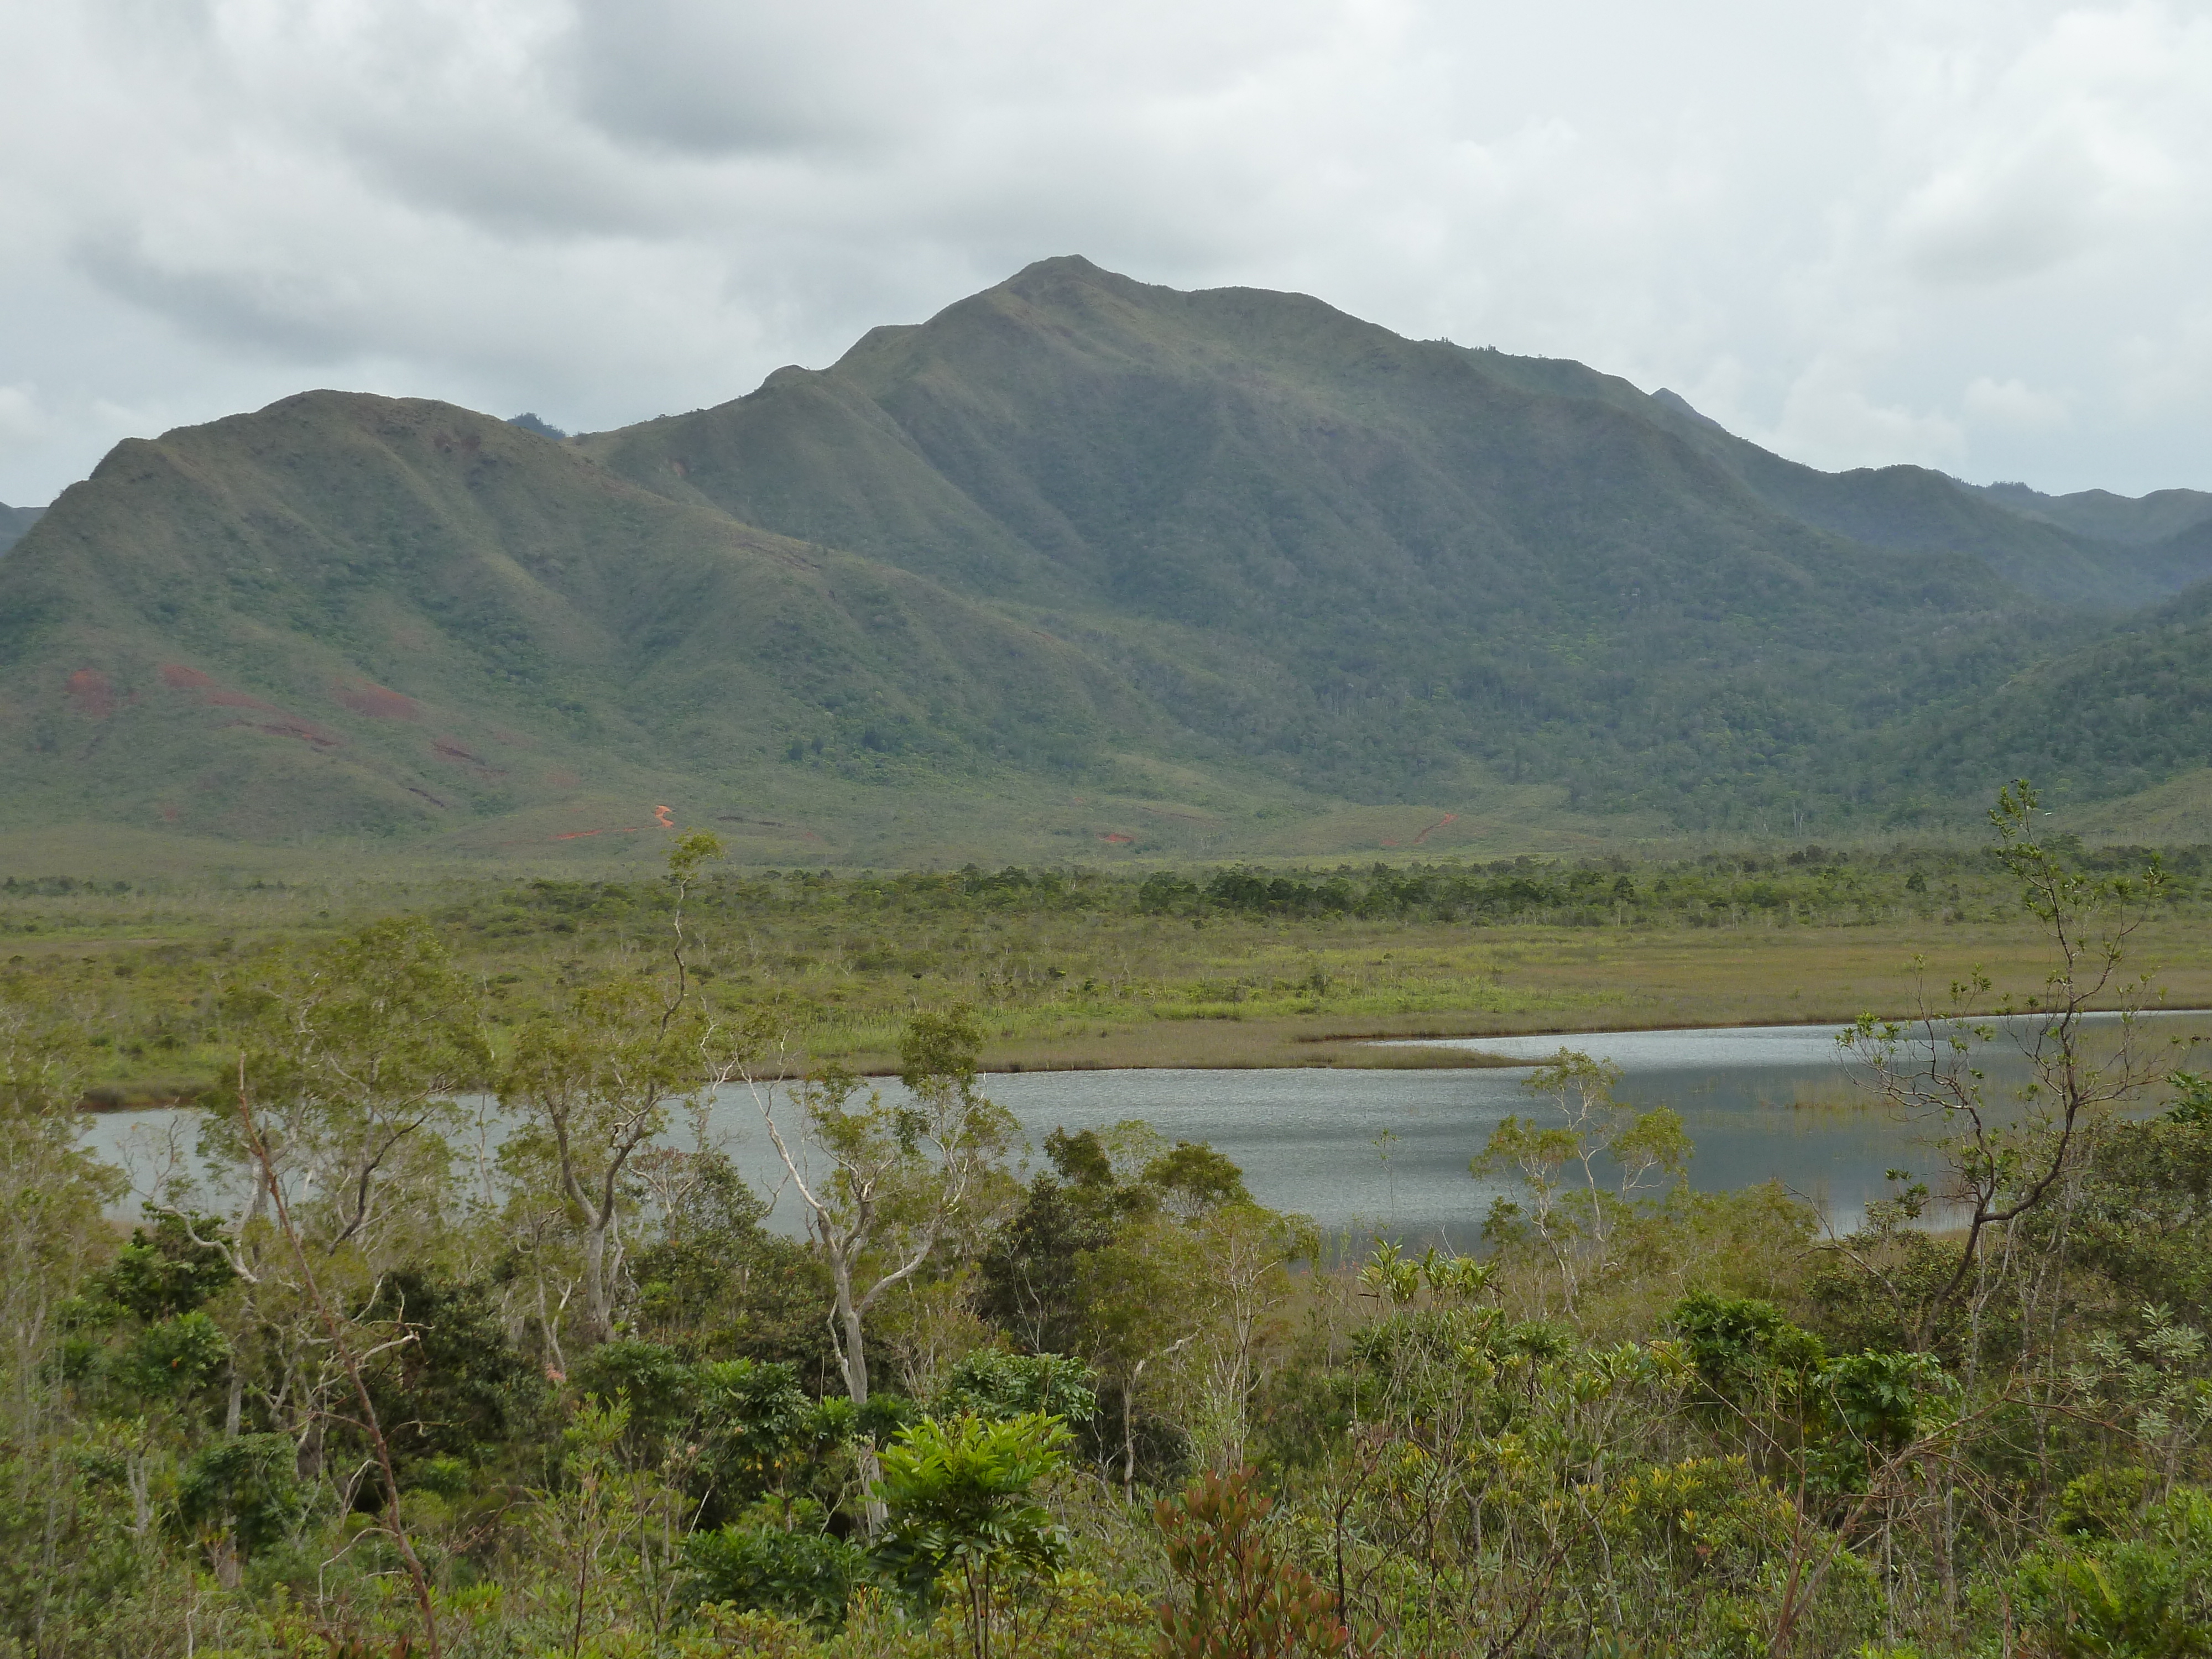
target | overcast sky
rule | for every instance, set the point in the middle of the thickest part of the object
(1974, 235)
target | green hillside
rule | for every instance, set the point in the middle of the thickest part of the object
(1365, 560)
(2134, 520)
(1914, 509)
(2111, 719)
(349, 612)
(1079, 565)
(13, 521)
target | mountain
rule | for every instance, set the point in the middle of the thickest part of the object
(1384, 557)
(2110, 718)
(347, 613)
(1914, 509)
(13, 521)
(2130, 521)
(1078, 563)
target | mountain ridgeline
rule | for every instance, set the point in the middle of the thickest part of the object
(1080, 563)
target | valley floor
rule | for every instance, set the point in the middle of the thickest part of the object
(1068, 970)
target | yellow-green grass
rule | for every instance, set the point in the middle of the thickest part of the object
(1055, 989)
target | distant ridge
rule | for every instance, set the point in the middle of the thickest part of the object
(2131, 520)
(1081, 566)
(13, 521)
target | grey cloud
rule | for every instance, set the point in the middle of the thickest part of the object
(245, 311)
(721, 78)
(1831, 222)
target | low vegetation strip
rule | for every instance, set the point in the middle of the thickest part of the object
(1070, 967)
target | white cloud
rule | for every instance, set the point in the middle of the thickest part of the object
(1828, 411)
(21, 421)
(1819, 222)
(2012, 404)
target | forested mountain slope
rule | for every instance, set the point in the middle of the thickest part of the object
(2109, 719)
(2133, 520)
(1363, 558)
(353, 612)
(1074, 534)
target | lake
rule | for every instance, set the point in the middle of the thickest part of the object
(1388, 1150)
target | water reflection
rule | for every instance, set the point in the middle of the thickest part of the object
(1388, 1150)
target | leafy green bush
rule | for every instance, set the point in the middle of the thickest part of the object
(2144, 1595)
(795, 1570)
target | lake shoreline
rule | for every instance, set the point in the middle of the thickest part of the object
(1213, 1045)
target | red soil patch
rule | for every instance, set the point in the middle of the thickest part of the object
(1439, 824)
(170, 815)
(92, 693)
(1117, 835)
(178, 677)
(661, 817)
(377, 701)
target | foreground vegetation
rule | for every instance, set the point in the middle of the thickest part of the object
(370, 1386)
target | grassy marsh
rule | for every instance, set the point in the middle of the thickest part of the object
(1077, 969)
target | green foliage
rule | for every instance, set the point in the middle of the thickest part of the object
(171, 1266)
(995, 1385)
(173, 1357)
(2145, 1594)
(777, 1563)
(243, 1494)
(723, 1431)
(1741, 1344)
(959, 1499)
(1648, 1420)
(456, 1390)
(1573, 1220)
(1192, 1177)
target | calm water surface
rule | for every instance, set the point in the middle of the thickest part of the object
(1388, 1150)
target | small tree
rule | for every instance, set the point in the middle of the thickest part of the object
(1576, 1218)
(957, 1495)
(2005, 1164)
(903, 1176)
(353, 1055)
(1242, 1597)
(593, 1086)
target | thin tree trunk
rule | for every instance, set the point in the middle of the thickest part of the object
(852, 1358)
(598, 1323)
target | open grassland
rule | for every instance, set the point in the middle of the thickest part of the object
(1227, 968)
